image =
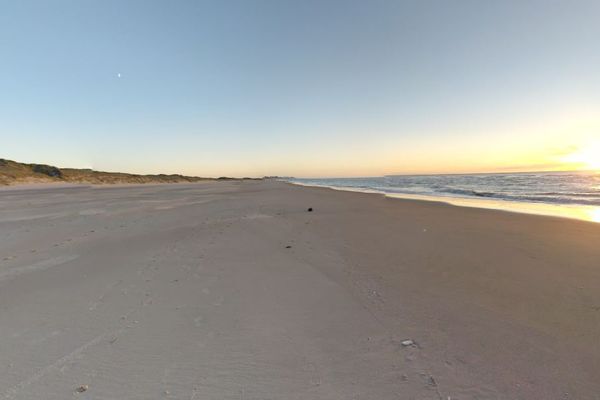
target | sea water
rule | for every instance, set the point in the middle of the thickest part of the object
(570, 194)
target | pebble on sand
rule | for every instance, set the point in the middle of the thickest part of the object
(407, 343)
(82, 388)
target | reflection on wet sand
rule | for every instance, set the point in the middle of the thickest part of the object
(585, 213)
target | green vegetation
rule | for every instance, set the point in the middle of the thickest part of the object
(12, 172)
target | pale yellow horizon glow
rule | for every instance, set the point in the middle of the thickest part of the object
(564, 150)
(568, 142)
(562, 142)
(587, 157)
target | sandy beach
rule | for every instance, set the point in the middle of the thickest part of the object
(233, 290)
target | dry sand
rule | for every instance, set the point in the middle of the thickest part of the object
(190, 292)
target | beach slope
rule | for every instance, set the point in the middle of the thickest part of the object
(234, 290)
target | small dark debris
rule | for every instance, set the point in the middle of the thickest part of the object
(432, 382)
(288, 247)
(82, 388)
(310, 209)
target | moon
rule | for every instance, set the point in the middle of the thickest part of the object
(119, 75)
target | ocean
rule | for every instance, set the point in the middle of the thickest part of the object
(559, 193)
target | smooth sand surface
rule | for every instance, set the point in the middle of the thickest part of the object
(191, 292)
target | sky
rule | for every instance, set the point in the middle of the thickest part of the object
(311, 88)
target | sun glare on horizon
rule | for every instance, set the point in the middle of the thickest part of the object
(587, 157)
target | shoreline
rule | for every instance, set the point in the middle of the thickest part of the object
(568, 211)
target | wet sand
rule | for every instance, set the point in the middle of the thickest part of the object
(232, 290)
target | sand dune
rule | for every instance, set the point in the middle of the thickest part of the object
(15, 173)
(232, 290)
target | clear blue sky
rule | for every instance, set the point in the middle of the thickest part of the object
(303, 88)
